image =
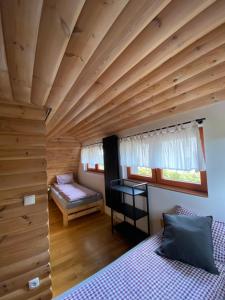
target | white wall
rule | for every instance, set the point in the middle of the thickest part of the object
(92, 180)
(162, 200)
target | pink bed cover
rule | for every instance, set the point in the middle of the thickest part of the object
(74, 191)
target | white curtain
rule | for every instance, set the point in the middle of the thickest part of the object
(92, 154)
(176, 148)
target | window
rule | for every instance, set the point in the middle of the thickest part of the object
(186, 180)
(98, 168)
(190, 180)
(92, 158)
(141, 173)
(182, 176)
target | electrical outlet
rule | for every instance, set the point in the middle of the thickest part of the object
(29, 200)
(34, 283)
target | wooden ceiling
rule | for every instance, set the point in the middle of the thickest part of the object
(107, 65)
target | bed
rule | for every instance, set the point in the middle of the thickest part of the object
(141, 274)
(75, 200)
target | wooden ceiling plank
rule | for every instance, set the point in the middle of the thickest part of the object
(193, 104)
(133, 19)
(209, 99)
(172, 18)
(182, 96)
(189, 106)
(150, 38)
(199, 48)
(186, 73)
(56, 26)
(95, 20)
(5, 87)
(20, 27)
(208, 20)
(152, 107)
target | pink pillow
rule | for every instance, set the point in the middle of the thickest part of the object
(218, 234)
(65, 178)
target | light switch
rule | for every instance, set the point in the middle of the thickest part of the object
(34, 283)
(29, 200)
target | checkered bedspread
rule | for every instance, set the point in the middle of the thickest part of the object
(141, 274)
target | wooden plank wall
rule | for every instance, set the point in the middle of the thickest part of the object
(63, 155)
(24, 244)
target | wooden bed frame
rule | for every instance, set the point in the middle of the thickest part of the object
(79, 211)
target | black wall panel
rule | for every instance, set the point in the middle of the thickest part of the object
(111, 165)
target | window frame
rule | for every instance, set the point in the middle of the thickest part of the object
(96, 169)
(202, 187)
(158, 180)
(131, 175)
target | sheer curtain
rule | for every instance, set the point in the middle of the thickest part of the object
(176, 148)
(92, 155)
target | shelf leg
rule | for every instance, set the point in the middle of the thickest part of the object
(134, 210)
(148, 218)
(123, 201)
(112, 220)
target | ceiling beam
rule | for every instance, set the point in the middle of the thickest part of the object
(161, 28)
(207, 68)
(132, 20)
(210, 81)
(189, 106)
(95, 20)
(20, 26)
(161, 102)
(105, 104)
(206, 21)
(56, 26)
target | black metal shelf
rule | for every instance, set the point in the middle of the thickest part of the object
(130, 232)
(131, 212)
(129, 190)
(129, 187)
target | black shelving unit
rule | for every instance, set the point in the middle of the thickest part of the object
(129, 187)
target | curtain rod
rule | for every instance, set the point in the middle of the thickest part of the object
(199, 121)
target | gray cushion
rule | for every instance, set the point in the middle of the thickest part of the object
(188, 239)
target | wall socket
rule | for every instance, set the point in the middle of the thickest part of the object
(34, 283)
(29, 200)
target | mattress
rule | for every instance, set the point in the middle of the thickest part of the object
(142, 274)
(81, 196)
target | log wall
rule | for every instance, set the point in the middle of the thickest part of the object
(24, 244)
(63, 156)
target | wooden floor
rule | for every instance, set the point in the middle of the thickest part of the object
(81, 249)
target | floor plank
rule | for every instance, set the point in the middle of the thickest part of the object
(81, 249)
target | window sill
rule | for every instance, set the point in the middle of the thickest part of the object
(177, 189)
(95, 172)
